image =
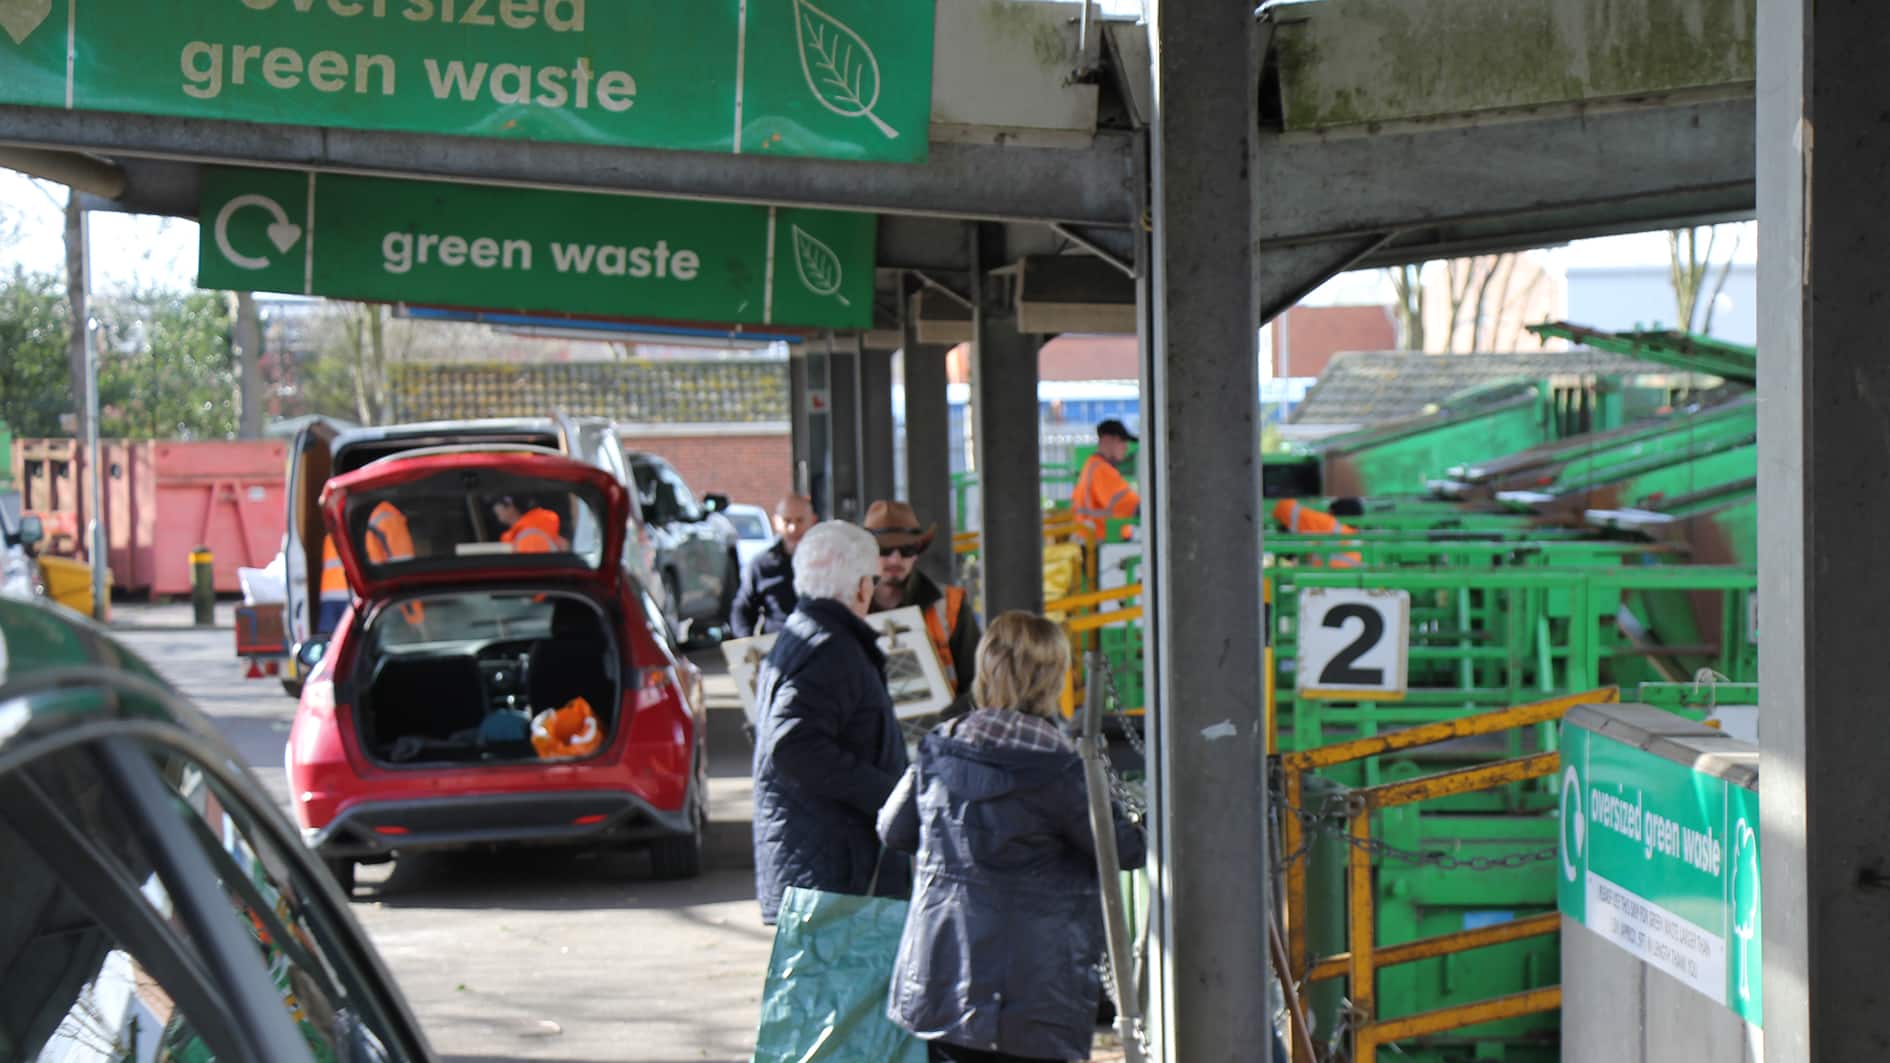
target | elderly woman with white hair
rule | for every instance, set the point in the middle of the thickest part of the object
(828, 750)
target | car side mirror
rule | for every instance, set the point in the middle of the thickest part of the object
(32, 530)
(310, 653)
(715, 503)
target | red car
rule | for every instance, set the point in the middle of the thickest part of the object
(500, 677)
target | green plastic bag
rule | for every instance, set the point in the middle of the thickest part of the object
(825, 1001)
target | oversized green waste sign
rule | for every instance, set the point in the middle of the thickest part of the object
(1663, 861)
(847, 79)
(388, 240)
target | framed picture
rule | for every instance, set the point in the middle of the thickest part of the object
(914, 677)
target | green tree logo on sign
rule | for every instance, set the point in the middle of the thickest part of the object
(818, 266)
(841, 70)
(21, 17)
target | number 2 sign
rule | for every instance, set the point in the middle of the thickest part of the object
(1353, 644)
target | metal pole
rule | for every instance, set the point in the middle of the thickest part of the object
(95, 485)
(1202, 457)
(1102, 826)
(94, 471)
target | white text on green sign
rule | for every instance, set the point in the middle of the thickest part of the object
(1663, 861)
(842, 78)
(521, 249)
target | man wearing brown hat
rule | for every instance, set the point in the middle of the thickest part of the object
(948, 619)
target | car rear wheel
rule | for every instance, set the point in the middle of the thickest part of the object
(680, 856)
(342, 868)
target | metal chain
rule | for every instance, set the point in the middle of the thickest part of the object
(1313, 824)
(1132, 797)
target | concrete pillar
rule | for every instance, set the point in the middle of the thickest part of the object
(928, 443)
(812, 399)
(876, 425)
(1200, 461)
(1004, 408)
(843, 376)
(1824, 562)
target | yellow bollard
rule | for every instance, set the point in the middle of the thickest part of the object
(203, 586)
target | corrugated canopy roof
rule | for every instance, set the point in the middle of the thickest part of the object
(1374, 387)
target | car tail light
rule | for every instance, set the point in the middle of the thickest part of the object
(654, 686)
(589, 821)
(390, 830)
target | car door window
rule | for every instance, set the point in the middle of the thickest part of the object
(122, 980)
(684, 503)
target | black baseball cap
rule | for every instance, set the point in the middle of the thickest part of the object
(1113, 427)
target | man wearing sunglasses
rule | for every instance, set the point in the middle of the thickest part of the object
(948, 619)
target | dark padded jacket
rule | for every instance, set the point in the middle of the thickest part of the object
(1005, 930)
(765, 598)
(827, 753)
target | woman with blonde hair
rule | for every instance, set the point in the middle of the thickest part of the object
(999, 958)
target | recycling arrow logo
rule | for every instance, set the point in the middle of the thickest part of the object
(283, 233)
(1575, 826)
(21, 17)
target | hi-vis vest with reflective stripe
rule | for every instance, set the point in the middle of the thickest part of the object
(1304, 520)
(940, 621)
(535, 533)
(1090, 503)
(387, 536)
(334, 577)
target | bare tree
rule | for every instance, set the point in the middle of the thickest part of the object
(357, 344)
(1408, 282)
(1691, 267)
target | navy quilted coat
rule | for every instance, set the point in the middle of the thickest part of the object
(1005, 930)
(827, 753)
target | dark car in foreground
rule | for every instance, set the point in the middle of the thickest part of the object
(154, 904)
(490, 688)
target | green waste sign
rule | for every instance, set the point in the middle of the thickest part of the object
(386, 240)
(845, 79)
(1663, 861)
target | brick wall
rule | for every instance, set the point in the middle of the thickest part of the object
(748, 463)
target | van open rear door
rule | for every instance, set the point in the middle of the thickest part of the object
(311, 463)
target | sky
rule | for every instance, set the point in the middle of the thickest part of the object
(132, 251)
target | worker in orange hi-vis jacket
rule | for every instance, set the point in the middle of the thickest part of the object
(1299, 519)
(531, 529)
(1102, 494)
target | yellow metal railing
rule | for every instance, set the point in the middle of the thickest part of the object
(1079, 616)
(1363, 959)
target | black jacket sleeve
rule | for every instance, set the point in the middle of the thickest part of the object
(744, 614)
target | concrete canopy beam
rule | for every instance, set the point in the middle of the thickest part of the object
(1085, 185)
(1693, 156)
(1360, 62)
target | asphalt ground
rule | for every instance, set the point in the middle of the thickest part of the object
(529, 954)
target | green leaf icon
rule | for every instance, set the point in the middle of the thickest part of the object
(818, 266)
(842, 71)
(21, 17)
